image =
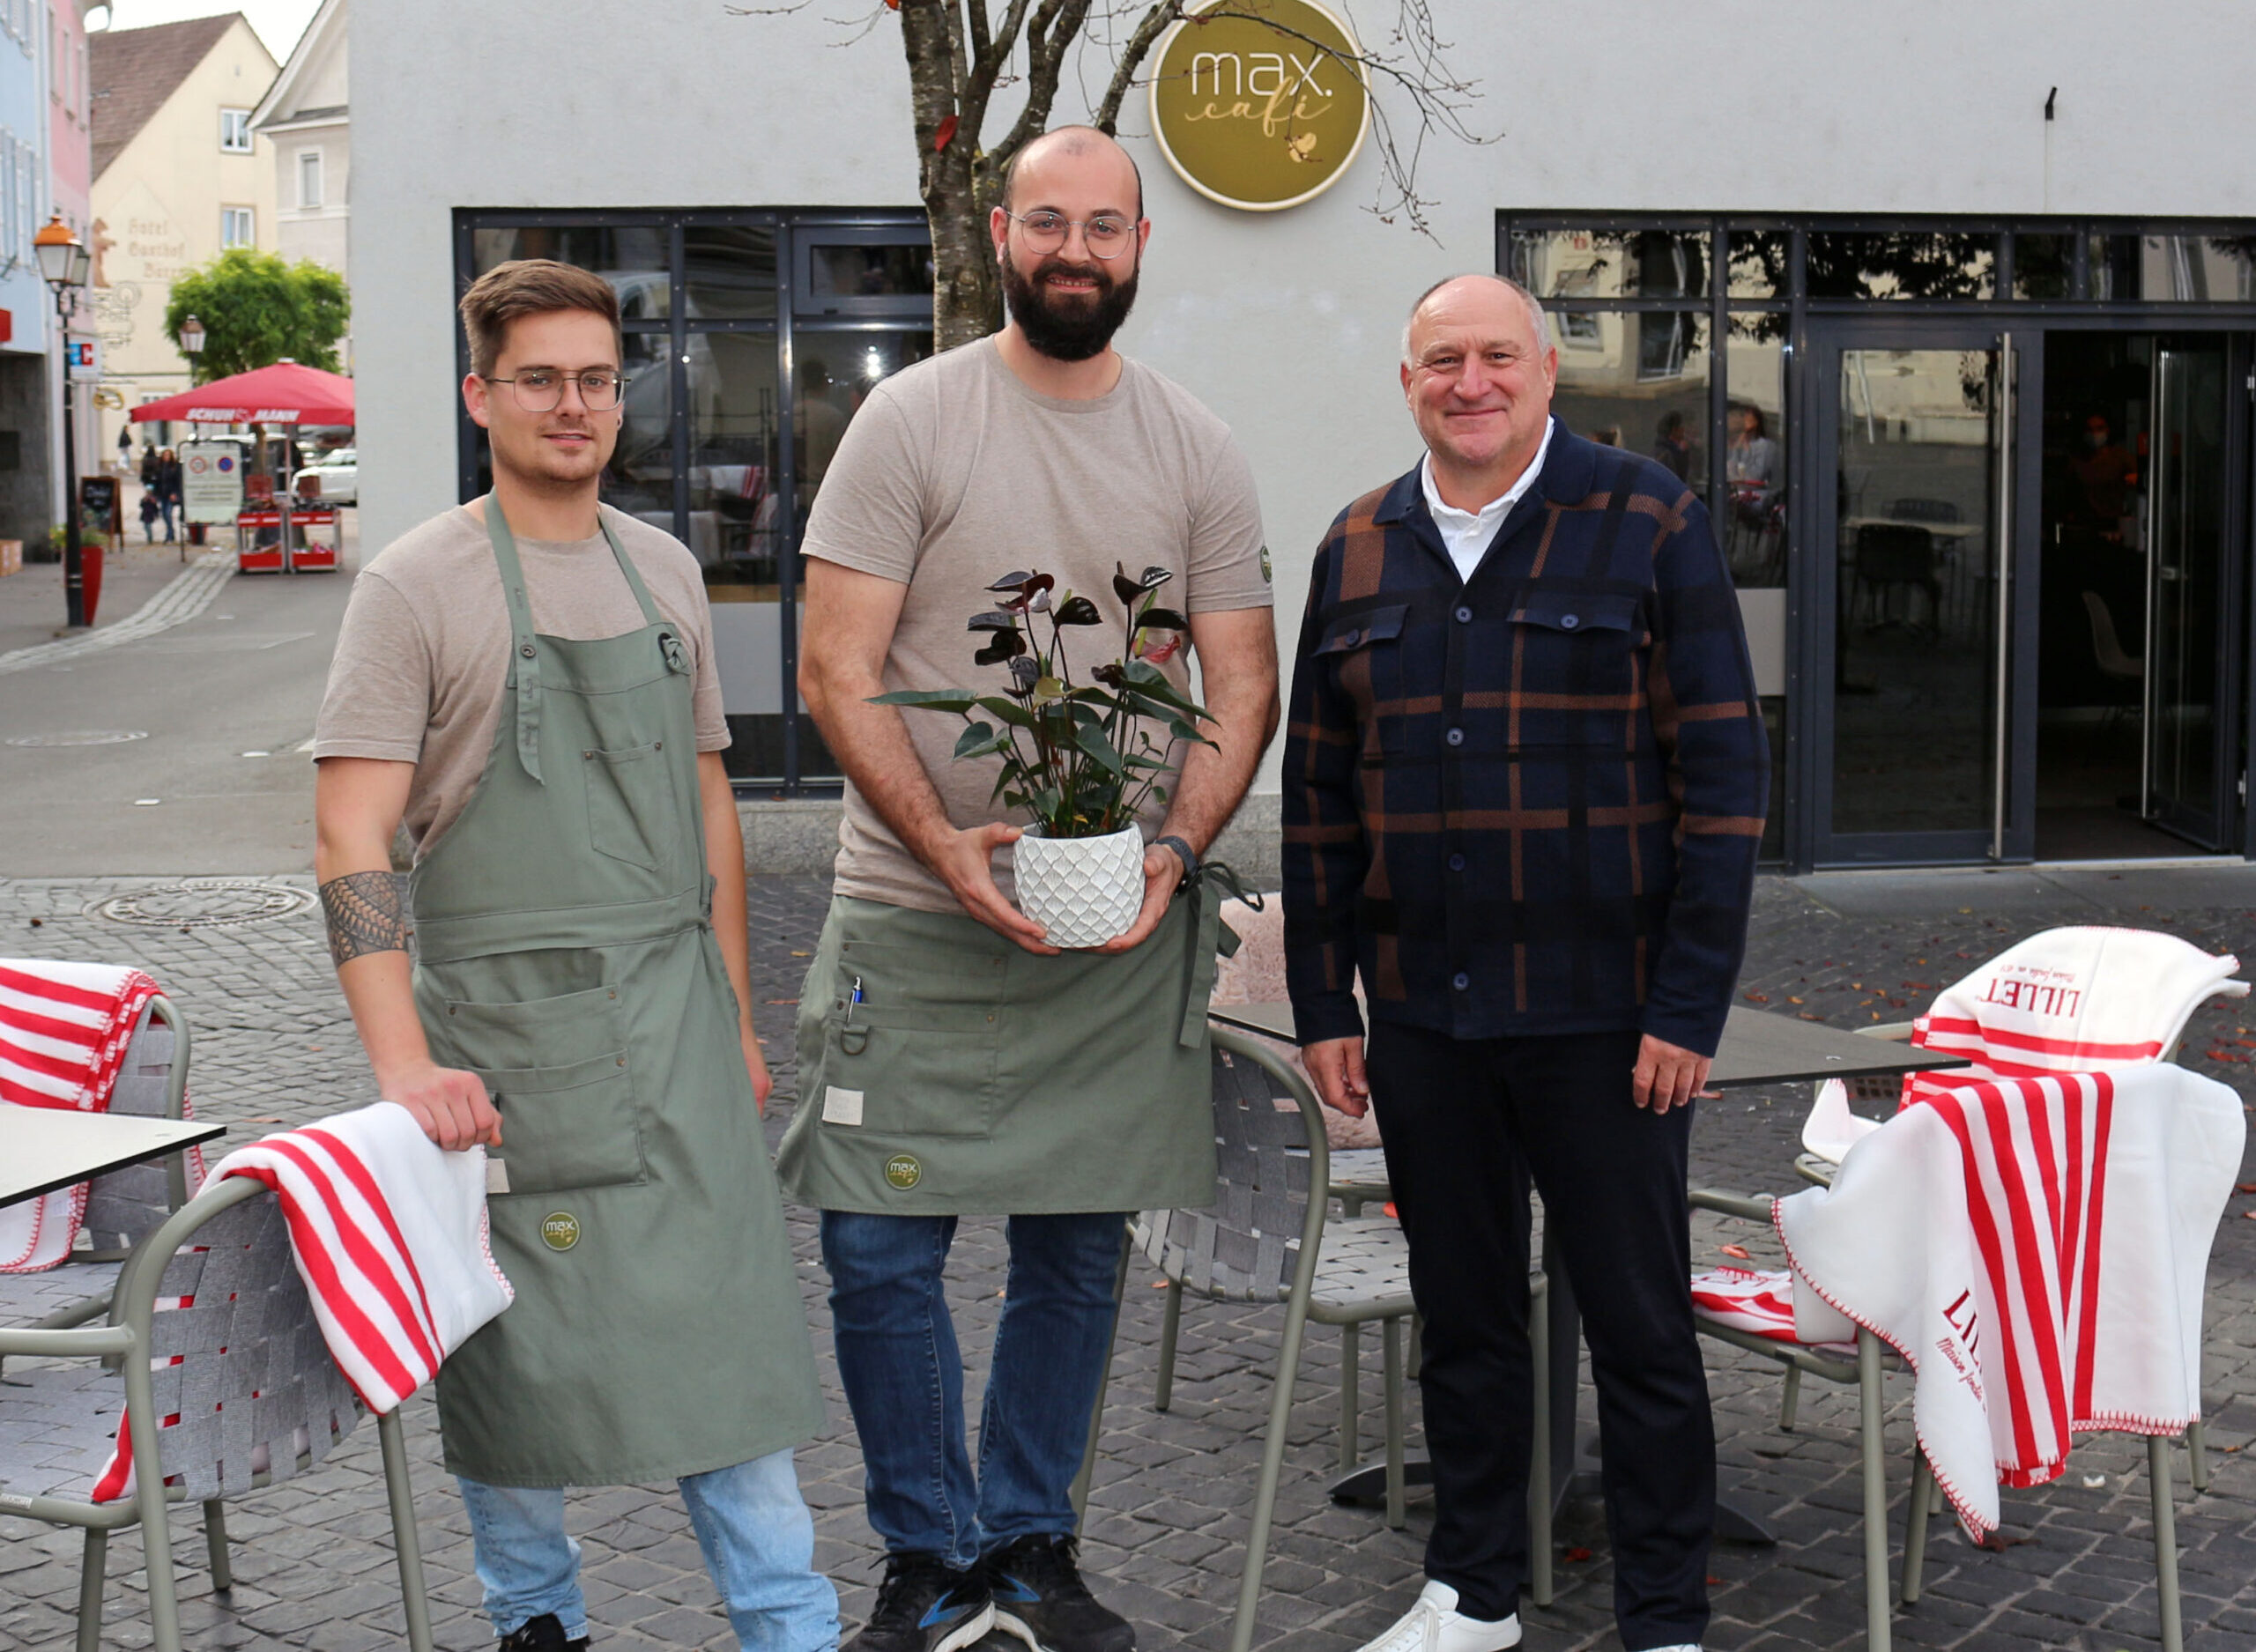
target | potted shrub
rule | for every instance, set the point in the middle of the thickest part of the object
(1078, 754)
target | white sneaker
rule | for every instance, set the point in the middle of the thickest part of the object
(1435, 1625)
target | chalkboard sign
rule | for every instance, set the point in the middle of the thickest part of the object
(98, 505)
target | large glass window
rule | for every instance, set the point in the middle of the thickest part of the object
(752, 339)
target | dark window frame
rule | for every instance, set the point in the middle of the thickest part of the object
(794, 229)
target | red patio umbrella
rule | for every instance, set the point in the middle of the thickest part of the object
(284, 394)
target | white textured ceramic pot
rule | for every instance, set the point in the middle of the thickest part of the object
(1083, 890)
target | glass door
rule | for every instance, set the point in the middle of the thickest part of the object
(2190, 736)
(1922, 726)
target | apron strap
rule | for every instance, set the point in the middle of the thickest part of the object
(651, 614)
(1210, 937)
(524, 652)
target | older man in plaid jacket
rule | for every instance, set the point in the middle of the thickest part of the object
(1525, 778)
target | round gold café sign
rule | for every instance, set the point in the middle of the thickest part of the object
(1260, 104)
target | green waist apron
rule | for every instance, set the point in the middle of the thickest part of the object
(566, 954)
(944, 1070)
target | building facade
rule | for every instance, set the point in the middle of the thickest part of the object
(1952, 327)
(307, 125)
(179, 176)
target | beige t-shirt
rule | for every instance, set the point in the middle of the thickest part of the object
(423, 661)
(953, 474)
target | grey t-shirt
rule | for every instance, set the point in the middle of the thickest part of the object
(422, 663)
(953, 474)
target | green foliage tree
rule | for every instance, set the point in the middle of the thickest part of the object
(257, 309)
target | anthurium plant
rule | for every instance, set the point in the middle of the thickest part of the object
(1079, 755)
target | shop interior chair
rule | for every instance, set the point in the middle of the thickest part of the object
(1891, 554)
(125, 1206)
(243, 1373)
(1266, 1239)
(2106, 643)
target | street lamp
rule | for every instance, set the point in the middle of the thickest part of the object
(64, 262)
(191, 341)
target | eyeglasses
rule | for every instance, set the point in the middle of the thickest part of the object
(541, 390)
(1105, 235)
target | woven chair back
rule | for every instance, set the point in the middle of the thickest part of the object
(127, 1204)
(1245, 1249)
(243, 1365)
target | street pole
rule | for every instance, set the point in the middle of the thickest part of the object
(64, 262)
(74, 560)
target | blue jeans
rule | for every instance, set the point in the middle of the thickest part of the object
(755, 1531)
(903, 1376)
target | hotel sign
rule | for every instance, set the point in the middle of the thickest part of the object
(1260, 104)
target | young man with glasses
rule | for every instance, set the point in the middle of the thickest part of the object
(527, 683)
(1059, 1089)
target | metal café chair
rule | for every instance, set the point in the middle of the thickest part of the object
(1266, 1239)
(125, 1206)
(242, 1369)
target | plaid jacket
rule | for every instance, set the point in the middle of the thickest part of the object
(1530, 802)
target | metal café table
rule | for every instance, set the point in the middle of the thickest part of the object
(1758, 1049)
(42, 1149)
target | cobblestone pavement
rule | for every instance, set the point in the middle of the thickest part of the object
(1169, 1513)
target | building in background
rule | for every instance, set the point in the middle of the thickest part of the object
(70, 186)
(1956, 347)
(179, 176)
(305, 119)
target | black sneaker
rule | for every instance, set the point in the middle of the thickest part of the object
(925, 1605)
(543, 1633)
(1039, 1597)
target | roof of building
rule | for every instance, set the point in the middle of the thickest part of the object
(134, 70)
(322, 35)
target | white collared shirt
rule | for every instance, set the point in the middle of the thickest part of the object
(1467, 533)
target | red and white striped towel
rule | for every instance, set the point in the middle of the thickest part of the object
(64, 1029)
(2035, 1249)
(390, 1234)
(2070, 1000)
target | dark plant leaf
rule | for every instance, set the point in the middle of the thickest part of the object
(980, 739)
(1155, 577)
(993, 619)
(1006, 645)
(1078, 610)
(1126, 588)
(1025, 673)
(1010, 711)
(1091, 739)
(927, 699)
(1161, 620)
(1110, 675)
(1011, 581)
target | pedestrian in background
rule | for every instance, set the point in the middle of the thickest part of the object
(169, 486)
(148, 517)
(1524, 789)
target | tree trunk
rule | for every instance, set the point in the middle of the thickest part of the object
(967, 290)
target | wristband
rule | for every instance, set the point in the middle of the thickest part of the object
(1182, 852)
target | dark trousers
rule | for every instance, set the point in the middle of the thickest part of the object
(1467, 1124)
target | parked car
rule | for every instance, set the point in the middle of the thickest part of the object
(339, 472)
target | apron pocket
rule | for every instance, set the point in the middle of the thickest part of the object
(568, 1127)
(547, 1033)
(910, 1071)
(626, 797)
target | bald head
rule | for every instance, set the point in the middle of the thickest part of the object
(1450, 285)
(1070, 143)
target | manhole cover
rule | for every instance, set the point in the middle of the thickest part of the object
(213, 903)
(83, 736)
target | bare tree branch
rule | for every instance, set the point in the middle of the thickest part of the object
(1140, 42)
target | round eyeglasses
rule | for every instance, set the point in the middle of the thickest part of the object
(1106, 235)
(541, 390)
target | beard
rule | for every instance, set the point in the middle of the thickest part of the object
(1066, 329)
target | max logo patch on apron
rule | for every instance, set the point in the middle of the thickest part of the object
(902, 1172)
(559, 1230)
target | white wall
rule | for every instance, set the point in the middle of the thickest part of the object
(1286, 323)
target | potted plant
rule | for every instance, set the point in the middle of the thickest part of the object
(1079, 755)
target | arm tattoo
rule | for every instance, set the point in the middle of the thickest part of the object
(366, 913)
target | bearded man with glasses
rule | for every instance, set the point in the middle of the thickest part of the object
(527, 683)
(1058, 1089)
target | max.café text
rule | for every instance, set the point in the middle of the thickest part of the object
(256, 416)
(2034, 997)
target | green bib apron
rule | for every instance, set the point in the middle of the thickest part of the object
(566, 954)
(944, 1070)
